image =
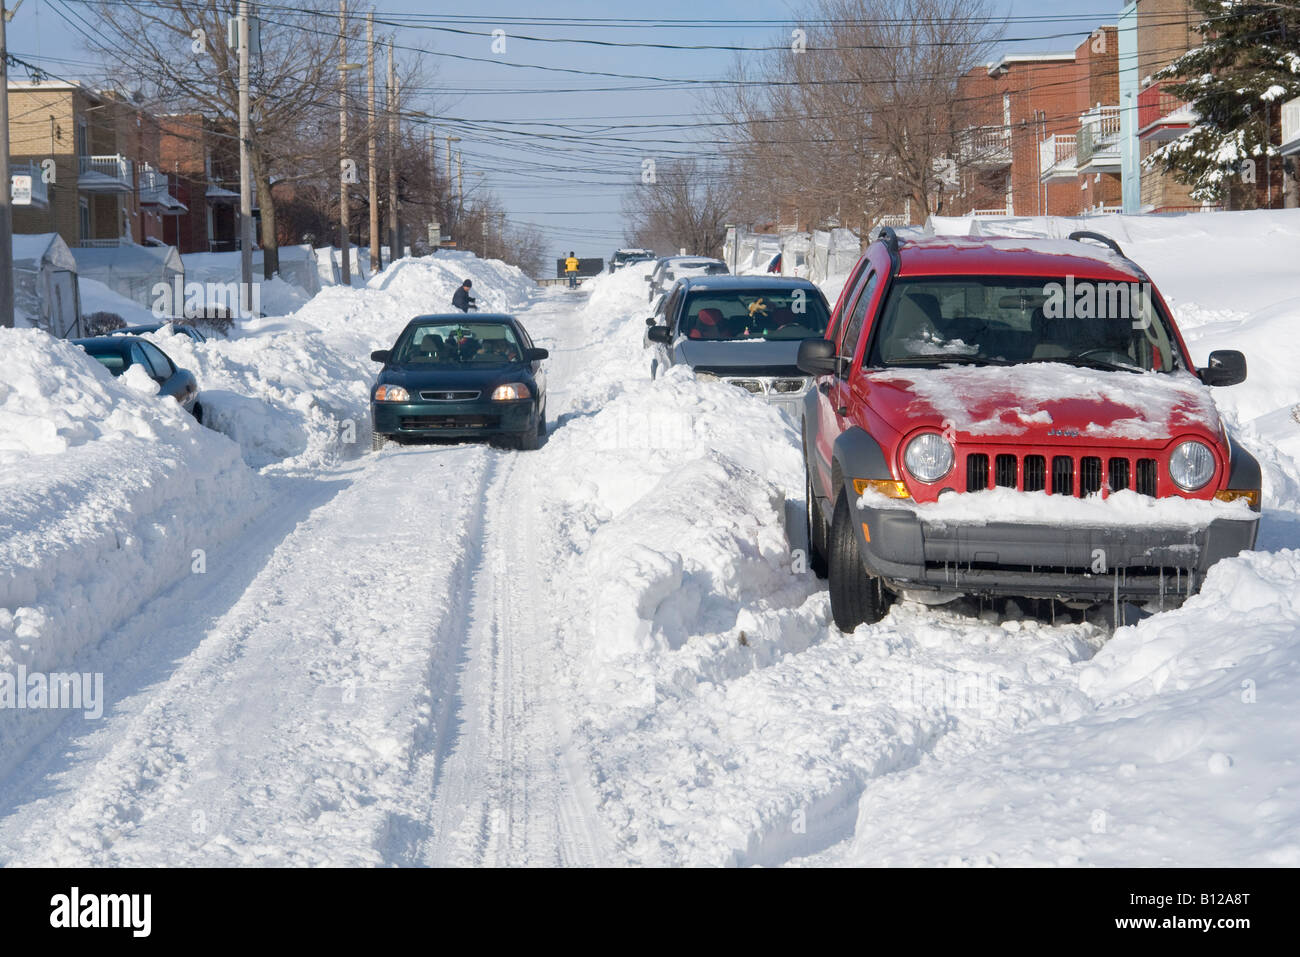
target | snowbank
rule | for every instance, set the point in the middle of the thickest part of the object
(107, 495)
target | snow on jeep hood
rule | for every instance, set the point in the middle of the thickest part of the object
(1037, 401)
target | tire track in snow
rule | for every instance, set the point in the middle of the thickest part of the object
(510, 790)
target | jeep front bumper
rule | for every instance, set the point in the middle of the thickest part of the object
(1045, 561)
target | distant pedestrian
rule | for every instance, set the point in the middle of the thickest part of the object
(571, 270)
(461, 298)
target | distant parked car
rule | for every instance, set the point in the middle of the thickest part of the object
(117, 353)
(745, 330)
(450, 376)
(671, 268)
(179, 328)
(626, 257)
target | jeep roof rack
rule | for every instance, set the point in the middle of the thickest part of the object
(886, 235)
(1082, 234)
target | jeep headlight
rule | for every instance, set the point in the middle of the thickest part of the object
(929, 457)
(1191, 465)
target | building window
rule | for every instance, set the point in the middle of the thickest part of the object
(83, 218)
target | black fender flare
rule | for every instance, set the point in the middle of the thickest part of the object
(1243, 468)
(856, 455)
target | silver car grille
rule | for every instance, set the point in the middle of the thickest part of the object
(771, 387)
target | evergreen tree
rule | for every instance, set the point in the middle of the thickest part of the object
(1247, 65)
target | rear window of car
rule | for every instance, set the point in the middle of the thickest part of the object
(111, 361)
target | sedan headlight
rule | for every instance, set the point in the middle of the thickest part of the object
(392, 393)
(510, 392)
(1191, 465)
(786, 386)
(929, 457)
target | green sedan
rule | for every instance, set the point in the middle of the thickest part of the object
(451, 376)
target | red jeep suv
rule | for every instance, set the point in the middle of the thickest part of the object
(1015, 417)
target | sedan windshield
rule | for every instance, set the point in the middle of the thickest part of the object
(754, 314)
(1004, 321)
(478, 344)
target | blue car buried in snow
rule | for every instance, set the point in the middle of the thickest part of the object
(451, 376)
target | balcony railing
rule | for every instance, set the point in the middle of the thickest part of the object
(986, 146)
(1056, 157)
(40, 190)
(104, 243)
(1099, 138)
(105, 174)
(1161, 115)
(155, 190)
(991, 213)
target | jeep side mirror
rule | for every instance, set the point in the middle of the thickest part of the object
(650, 321)
(817, 357)
(535, 355)
(380, 355)
(1226, 367)
(659, 334)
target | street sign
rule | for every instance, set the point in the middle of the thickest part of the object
(20, 190)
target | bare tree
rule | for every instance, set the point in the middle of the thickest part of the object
(177, 49)
(861, 116)
(685, 206)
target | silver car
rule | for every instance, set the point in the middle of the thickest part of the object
(744, 330)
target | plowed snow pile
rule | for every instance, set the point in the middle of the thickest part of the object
(726, 721)
(107, 496)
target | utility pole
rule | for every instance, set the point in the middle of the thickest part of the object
(372, 177)
(394, 240)
(345, 240)
(460, 186)
(6, 205)
(245, 172)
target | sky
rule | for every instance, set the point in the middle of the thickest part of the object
(562, 148)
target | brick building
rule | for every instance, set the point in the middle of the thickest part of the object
(201, 158)
(1046, 135)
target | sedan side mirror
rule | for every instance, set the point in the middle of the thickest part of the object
(380, 355)
(659, 334)
(535, 355)
(817, 357)
(649, 278)
(1226, 367)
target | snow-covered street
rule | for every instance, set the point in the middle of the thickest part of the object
(608, 651)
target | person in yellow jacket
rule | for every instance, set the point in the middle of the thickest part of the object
(571, 270)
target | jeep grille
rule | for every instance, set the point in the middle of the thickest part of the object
(1067, 475)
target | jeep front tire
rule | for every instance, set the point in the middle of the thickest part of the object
(856, 597)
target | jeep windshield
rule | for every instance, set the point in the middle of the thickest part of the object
(458, 344)
(733, 314)
(967, 320)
